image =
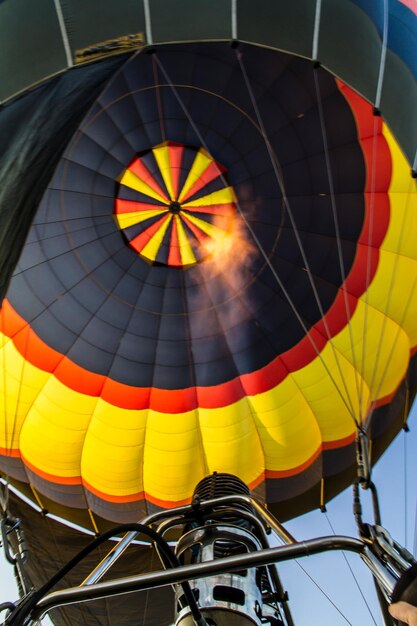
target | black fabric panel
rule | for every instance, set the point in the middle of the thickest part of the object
(133, 231)
(45, 117)
(25, 59)
(180, 21)
(51, 545)
(90, 23)
(242, 313)
(349, 37)
(284, 489)
(400, 111)
(350, 45)
(286, 25)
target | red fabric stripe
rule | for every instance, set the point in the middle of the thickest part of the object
(376, 221)
(256, 382)
(129, 206)
(139, 242)
(141, 171)
(198, 234)
(367, 123)
(213, 171)
(32, 348)
(174, 257)
(175, 159)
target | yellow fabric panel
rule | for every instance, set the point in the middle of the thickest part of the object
(186, 251)
(152, 247)
(328, 384)
(174, 460)
(206, 227)
(286, 426)
(131, 180)
(382, 364)
(400, 178)
(20, 383)
(200, 164)
(401, 236)
(112, 455)
(394, 291)
(161, 155)
(231, 441)
(402, 233)
(124, 220)
(222, 196)
(53, 433)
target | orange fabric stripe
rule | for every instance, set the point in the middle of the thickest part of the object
(231, 391)
(134, 497)
(339, 443)
(294, 470)
(60, 480)
(12, 453)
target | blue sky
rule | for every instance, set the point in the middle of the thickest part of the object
(395, 476)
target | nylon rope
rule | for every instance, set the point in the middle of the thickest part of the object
(64, 33)
(148, 24)
(337, 229)
(159, 100)
(9, 447)
(316, 33)
(352, 572)
(405, 468)
(147, 593)
(369, 251)
(102, 552)
(194, 379)
(287, 205)
(234, 18)
(19, 388)
(4, 377)
(383, 56)
(415, 531)
(258, 244)
(400, 321)
(323, 592)
(57, 565)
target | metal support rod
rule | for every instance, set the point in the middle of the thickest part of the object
(192, 572)
(263, 536)
(119, 548)
(275, 525)
(385, 579)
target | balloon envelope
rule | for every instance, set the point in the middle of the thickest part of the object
(218, 274)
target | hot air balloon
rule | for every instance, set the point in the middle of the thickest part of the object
(208, 251)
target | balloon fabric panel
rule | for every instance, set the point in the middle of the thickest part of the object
(193, 294)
